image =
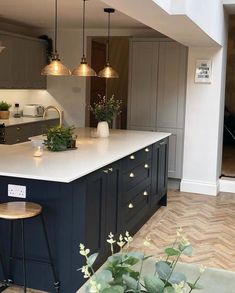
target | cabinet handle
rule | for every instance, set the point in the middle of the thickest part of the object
(162, 143)
(145, 193)
(18, 140)
(146, 150)
(131, 175)
(111, 169)
(106, 171)
(132, 157)
(18, 128)
(130, 206)
(146, 166)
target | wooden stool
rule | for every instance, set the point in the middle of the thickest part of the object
(22, 211)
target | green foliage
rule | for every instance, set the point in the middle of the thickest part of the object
(106, 109)
(4, 106)
(123, 272)
(59, 138)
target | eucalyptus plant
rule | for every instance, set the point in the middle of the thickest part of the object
(123, 271)
(106, 109)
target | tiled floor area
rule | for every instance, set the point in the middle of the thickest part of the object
(209, 223)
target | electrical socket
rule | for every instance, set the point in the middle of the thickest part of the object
(16, 191)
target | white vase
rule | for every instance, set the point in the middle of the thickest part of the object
(103, 129)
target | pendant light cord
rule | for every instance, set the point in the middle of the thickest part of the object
(83, 30)
(108, 37)
(56, 24)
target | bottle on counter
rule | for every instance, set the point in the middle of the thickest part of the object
(17, 114)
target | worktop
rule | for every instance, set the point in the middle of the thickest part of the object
(24, 120)
(90, 155)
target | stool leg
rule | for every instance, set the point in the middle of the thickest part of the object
(23, 254)
(56, 280)
(10, 279)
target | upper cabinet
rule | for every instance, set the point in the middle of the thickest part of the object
(157, 91)
(21, 62)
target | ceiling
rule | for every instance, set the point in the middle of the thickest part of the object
(40, 14)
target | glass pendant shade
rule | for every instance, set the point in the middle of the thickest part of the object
(108, 72)
(56, 68)
(84, 69)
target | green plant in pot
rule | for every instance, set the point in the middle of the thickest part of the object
(4, 110)
(59, 138)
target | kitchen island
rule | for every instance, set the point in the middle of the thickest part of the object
(106, 184)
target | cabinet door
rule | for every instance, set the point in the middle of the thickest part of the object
(160, 170)
(176, 144)
(5, 63)
(171, 85)
(142, 85)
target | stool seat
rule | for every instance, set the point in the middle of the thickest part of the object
(19, 210)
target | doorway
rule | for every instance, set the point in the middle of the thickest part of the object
(119, 59)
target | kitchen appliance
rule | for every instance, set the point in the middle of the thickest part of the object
(33, 110)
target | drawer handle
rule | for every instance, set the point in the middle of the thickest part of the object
(130, 206)
(18, 140)
(146, 166)
(131, 175)
(145, 193)
(146, 150)
(18, 128)
(111, 169)
(106, 171)
(132, 157)
(162, 143)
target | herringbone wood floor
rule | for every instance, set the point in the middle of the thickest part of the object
(209, 223)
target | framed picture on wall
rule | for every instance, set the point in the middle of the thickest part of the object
(203, 72)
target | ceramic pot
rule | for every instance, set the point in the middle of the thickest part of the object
(4, 114)
(103, 129)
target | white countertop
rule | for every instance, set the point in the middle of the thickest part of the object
(91, 154)
(23, 120)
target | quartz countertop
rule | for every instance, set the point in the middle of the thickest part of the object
(23, 120)
(91, 155)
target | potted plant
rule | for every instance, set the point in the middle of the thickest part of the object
(4, 110)
(105, 110)
(133, 272)
(59, 138)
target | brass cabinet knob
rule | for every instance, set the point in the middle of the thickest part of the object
(131, 175)
(145, 193)
(18, 128)
(130, 206)
(132, 157)
(146, 166)
(146, 150)
(162, 143)
(106, 171)
(18, 140)
(111, 169)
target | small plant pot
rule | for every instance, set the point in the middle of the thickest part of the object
(4, 114)
(103, 129)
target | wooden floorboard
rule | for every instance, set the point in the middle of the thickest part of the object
(208, 221)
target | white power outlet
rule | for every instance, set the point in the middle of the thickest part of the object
(16, 191)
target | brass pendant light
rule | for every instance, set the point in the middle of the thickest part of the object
(83, 69)
(55, 68)
(108, 71)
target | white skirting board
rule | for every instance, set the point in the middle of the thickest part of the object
(201, 187)
(227, 184)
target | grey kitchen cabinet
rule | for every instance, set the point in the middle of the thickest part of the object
(157, 91)
(22, 62)
(19, 133)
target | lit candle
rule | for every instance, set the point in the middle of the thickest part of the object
(38, 152)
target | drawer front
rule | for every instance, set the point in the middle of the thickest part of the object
(135, 211)
(143, 188)
(18, 134)
(141, 173)
(136, 158)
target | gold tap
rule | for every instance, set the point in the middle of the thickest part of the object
(58, 111)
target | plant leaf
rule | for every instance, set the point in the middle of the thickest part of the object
(188, 250)
(171, 251)
(92, 258)
(176, 278)
(103, 276)
(130, 282)
(114, 289)
(196, 287)
(153, 284)
(163, 269)
(169, 290)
